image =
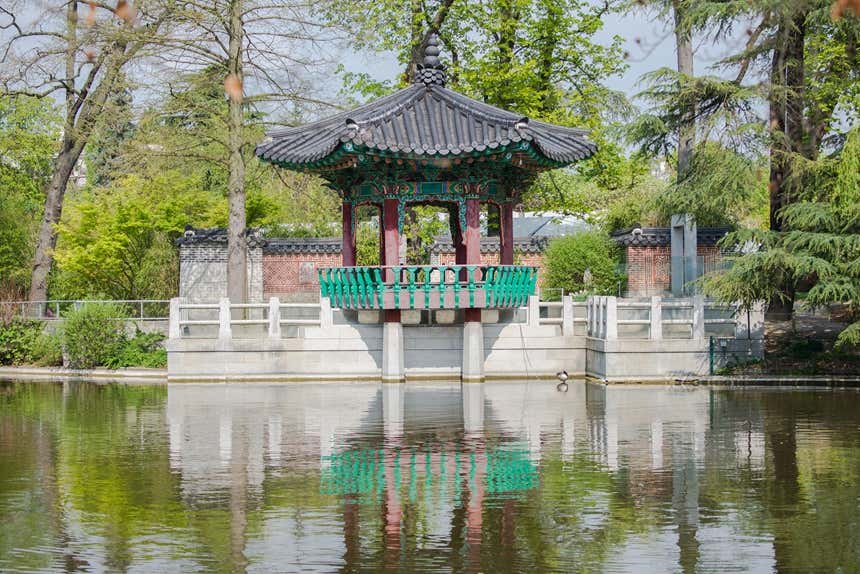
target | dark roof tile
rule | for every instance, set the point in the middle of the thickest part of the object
(424, 120)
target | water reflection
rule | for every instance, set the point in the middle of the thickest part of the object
(489, 478)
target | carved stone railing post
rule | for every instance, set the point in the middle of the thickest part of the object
(656, 318)
(534, 311)
(274, 318)
(326, 314)
(698, 317)
(174, 327)
(225, 332)
(567, 316)
(611, 318)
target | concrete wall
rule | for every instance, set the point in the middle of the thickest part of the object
(203, 272)
(278, 348)
(354, 352)
(631, 360)
(336, 352)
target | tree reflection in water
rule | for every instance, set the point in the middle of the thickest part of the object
(493, 478)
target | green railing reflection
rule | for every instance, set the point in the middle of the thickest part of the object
(428, 286)
(363, 472)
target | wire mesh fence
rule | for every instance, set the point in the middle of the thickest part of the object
(139, 309)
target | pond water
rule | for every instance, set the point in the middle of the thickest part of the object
(511, 477)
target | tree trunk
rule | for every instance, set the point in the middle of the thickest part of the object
(43, 259)
(237, 252)
(777, 131)
(786, 132)
(47, 238)
(786, 113)
(687, 130)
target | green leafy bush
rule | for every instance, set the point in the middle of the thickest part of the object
(142, 350)
(93, 335)
(17, 338)
(47, 350)
(568, 258)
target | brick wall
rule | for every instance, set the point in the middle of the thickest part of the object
(293, 276)
(520, 258)
(649, 269)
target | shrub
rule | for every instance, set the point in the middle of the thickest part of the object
(567, 259)
(47, 350)
(142, 350)
(17, 338)
(93, 334)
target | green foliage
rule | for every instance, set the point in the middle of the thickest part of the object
(93, 335)
(367, 244)
(17, 340)
(421, 228)
(609, 190)
(722, 187)
(29, 130)
(568, 258)
(820, 245)
(142, 350)
(47, 350)
(117, 242)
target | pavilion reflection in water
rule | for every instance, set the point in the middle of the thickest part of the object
(449, 449)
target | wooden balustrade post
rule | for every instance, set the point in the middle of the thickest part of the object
(274, 318)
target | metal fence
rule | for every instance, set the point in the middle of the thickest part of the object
(137, 309)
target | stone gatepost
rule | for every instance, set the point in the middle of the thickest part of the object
(684, 252)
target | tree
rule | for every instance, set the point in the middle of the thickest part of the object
(56, 52)
(821, 247)
(255, 48)
(583, 263)
(29, 132)
(117, 242)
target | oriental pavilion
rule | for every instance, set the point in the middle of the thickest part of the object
(427, 145)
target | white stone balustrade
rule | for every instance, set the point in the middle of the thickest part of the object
(603, 321)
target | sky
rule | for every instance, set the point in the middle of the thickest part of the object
(655, 49)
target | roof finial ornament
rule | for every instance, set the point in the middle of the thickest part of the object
(430, 70)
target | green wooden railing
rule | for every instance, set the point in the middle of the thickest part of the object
(428, 286)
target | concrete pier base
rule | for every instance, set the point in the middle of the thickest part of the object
(393, 362)
(473, 352)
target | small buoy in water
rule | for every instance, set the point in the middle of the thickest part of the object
(562, 386)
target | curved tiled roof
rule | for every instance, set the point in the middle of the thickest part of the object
(289, 245)
(661, 236)
(424, 120)
(217, 235)
(269, 245)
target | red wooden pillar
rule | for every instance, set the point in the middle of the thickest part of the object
(506, 255)
(348, 244)
(381, 237)
(391, 253)
(472, 234)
